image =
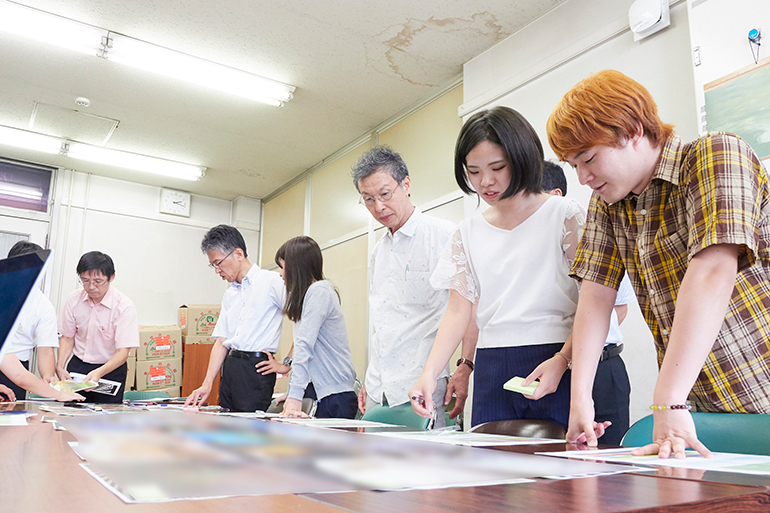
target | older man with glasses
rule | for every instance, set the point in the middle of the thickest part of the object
(98, 327)
(249, 326)
(405, 310)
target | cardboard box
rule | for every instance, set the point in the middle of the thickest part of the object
(159, 343)
(198, 320)
(132, 353)
(131, 374)
(172, 392)
(155, 374)
(194, 339)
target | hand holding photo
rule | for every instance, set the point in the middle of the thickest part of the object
(515, 385)
(73, 386)
(105, 386)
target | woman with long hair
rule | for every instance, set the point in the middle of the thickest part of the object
(321, 351)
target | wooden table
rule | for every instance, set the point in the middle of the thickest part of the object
(39, 472)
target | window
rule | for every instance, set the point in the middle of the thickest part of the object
(25, 185)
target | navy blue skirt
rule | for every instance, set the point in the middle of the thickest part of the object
(495, 366)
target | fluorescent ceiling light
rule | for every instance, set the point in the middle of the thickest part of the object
(133, 52)
(82, 151)
(42, 26)
(29, 140)
(127, 160)
(20, 191)
(48, 28)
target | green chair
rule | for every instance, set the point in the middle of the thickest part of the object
(144, 395)
(308, 406)
(721, 432)
(401, 415)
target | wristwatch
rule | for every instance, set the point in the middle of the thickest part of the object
(287, 361)
(465, 361)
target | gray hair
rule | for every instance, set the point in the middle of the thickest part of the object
(371, 162)
(223, 238)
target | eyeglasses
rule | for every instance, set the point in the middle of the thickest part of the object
(98, 282)
(216, 265)
(384, 197)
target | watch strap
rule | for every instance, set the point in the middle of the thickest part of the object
(465, 361)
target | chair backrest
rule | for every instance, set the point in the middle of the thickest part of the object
(522, 427)
(274, 408)
(401, 415)
(144, 395)
(455, 421)
(308, 406)
(721, 432)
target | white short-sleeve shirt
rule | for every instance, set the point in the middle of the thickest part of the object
(35, 326)
(404, 308)
(625, 295)
(519, 277)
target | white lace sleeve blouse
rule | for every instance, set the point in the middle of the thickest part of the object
(519, 277)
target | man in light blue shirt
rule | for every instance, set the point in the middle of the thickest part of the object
(249, 325)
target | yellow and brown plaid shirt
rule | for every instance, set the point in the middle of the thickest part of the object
(711, 191)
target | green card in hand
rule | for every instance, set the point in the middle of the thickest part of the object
(514, 385)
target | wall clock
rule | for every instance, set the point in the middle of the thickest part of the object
(175, 202)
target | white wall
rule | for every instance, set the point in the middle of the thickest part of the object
(532, 69)
(157, 256)
(719, 29)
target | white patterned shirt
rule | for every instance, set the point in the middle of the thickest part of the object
(519, 277)
(404, 308)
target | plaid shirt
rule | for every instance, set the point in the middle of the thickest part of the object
(711, 191)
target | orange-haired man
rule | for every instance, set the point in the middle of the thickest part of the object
(690, 223)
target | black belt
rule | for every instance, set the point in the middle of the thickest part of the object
(247, 355)
(611, 351)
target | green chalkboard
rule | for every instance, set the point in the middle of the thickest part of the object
(742, 106)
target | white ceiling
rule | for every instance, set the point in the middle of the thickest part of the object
(354, 63)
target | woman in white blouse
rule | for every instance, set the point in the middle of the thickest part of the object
(511, 264)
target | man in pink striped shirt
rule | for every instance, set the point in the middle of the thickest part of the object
(98, 325)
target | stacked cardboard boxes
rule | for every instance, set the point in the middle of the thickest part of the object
(159, 358)
(197, 322)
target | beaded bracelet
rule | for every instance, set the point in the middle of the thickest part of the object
(658, 407)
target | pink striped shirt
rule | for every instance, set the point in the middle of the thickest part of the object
(102, 328)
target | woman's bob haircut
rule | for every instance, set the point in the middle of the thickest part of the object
(508, 129)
